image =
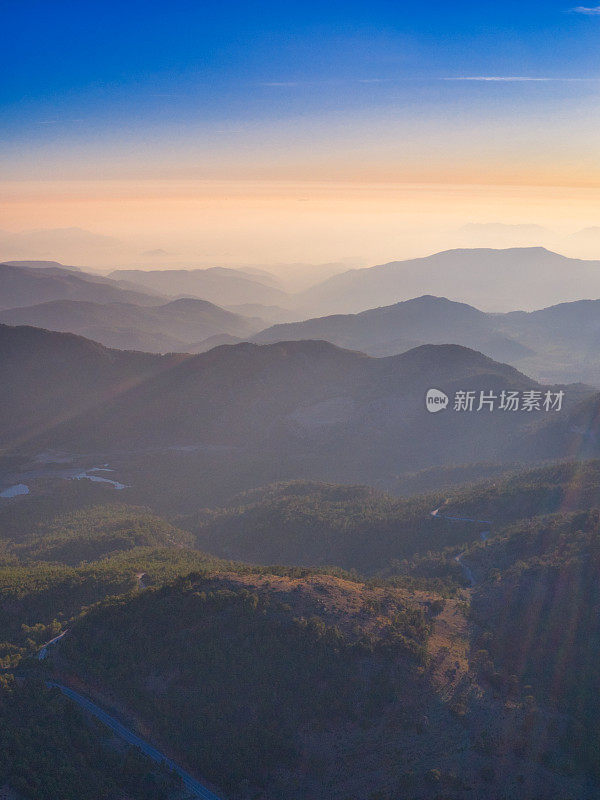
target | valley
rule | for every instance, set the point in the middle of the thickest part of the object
(265, 569)
(420, 624)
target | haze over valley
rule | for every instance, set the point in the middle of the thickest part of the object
(166, 436)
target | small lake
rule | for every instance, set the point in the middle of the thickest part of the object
(90, 476)
(94, 474)
(15, 491)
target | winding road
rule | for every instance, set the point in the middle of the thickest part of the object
(194, 788)
(468, 572)
(43, 651)
(436, 513)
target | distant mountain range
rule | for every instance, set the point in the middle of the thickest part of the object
(271, 314)
(390, 330)
(225, 287)
(176, 326)
(120, 313)
(493, 279)
(25, 286)
(559, 343)
(496, 280)
(42, 265)
(554, 344)
(297, 407)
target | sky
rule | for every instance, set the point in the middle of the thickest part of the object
(298, 131)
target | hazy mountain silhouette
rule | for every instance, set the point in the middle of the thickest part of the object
(219, 285)
(43, 265)
(559, 343)
(393, 329)
(496, 280)
(174, 326)
(25, 286)
(214, 341)
(564, 338)
(307, 407)
(271, 314)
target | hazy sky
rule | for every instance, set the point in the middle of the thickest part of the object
(294, 130)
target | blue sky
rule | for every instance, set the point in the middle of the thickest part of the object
(464, 93)
(155, 63)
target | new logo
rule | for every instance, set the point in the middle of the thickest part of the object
(435, 400)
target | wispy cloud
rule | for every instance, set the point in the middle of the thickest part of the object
(516, 79)
(472, 78)
(594, 11)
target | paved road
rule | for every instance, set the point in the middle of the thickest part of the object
(484, 536)
(193, 786)
(436, 513)
(467, 570)
(43, 652)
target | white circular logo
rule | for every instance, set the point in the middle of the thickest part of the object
(435, 400)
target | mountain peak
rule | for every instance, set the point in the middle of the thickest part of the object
(486, 278)
(189, 303)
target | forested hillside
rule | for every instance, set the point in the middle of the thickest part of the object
(245, 674)
(541, 578)
(49, 749)
(360, 528)
(244, 415)
(261, 658)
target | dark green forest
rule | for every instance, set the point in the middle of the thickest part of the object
(542, 580)
(48, 749)
(315, 613)
(230, 658)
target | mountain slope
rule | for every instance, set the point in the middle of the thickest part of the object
(25, 286)
(42, 265)
(277, 681)
(276, 685)
(48, 378)
(306, 392)
(315, 524)
(564, 338)
(281, 411)
(558, 343)
(487, 278)
(536, 611)
(393, 329)
(169, 327)
(225, 287)
(250, 665)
